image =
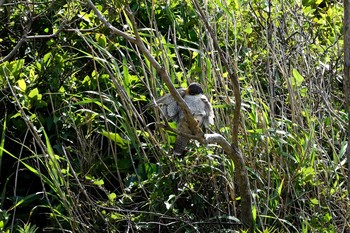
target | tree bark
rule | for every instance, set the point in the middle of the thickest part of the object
(347, 77)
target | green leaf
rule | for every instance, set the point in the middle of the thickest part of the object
(117, 216)
(327, 217)
(314, 201)
(115, 137)
(99, 182)
(127, 82)
(303, 91)
(297, 78)
(16, 66)
(101, 39)
(279, 190)
(112, 196)
(34, 94)
(22, 85)
(248, 29)
(2, 143)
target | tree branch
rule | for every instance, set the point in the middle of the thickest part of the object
(24, 39)
(136, 39)
(233, 151)
(232, 71)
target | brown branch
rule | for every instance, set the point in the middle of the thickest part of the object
(14, 50)
(110, 26)
(136, 39)
(232, 150)
(232, 73)
(235, 154)
(178, 132)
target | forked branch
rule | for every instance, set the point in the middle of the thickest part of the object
(233, 151)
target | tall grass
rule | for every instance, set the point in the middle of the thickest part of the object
(104, 164)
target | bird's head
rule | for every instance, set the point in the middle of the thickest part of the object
(194, 89)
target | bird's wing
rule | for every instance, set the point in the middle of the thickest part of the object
(209, 113)
(168, 105)
(201, 109)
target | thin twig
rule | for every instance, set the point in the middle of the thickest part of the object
(24, 39)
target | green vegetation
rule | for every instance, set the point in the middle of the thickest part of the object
(79, 154)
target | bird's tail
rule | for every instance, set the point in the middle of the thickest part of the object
(180, 144)
(181, 141)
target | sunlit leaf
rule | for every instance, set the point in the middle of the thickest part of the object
(297, 78)
(248, 29)
(115, 137)
(279, 189)
(22, 85)
(101, 39)
(117, 216)
(99, 182)
(112, 196)
(34, 94)
(314, 201)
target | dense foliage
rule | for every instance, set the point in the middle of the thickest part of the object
(78, 153)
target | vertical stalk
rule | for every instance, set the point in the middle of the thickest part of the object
(347, 75)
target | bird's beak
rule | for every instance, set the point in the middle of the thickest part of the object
(187, 91)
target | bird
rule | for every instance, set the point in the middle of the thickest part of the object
(199, 106)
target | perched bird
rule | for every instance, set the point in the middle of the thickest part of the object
(199, 106)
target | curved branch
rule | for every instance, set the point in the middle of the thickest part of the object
(219, 139)
(235, 154)
(232, 71)
(136, 39)
(233, 151)
(14, 50)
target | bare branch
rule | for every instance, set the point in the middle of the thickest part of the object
(235, 154)
(160, 70)
(233, 151)
(24, 39)
(232, 71)
(110, 26)
(219, 139)
(14, 50)
(178, 132)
